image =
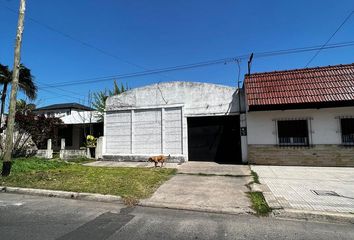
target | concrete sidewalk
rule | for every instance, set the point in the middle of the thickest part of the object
(205, 186)
(318, 189)
(213, 168)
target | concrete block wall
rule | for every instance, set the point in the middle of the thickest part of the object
(44, 153)
(69, 154)
(317, 155)
(133, 134)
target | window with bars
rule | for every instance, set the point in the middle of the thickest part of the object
(293, 133)
(347, 130)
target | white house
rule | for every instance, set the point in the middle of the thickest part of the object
(78, 120)
(188, 120)
(301, 117)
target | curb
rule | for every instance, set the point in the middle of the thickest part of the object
(196, 209)
(314, 215)
(63, 194)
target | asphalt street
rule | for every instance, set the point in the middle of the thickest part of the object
(32, 217)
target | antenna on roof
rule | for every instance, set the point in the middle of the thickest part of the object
(250, 63)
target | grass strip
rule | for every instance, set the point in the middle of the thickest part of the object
(129, 183)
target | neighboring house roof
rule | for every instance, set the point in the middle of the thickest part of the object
(65, 106)
(301, 88)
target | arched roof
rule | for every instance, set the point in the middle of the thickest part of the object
(195, 97)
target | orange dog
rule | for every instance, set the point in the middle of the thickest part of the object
(159, 159)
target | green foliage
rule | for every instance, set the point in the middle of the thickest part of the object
(40, 128)
(24, 165)
(130, 183)
(91, 141)
(23, 107)
(255, 177)
(259, 204)
(26, 80)
(25, 83)
(99, 98)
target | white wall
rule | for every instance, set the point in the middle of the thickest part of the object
(118, 133)
(144, 131)
(73, 116)
(198, 99)
(171, 101)
(325, 124)
(78, 117)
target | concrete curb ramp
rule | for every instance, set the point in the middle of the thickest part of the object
(314, 215)
(63, 194)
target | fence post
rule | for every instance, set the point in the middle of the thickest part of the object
(49, 144)
(62, 148)
(49, 152)
(99, 147)
(62, 144)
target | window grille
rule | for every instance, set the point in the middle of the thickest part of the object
(293, 133)
(347, 131)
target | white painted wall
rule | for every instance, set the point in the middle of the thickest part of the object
(118, 132)
(144, 131)
(147, 131)
(73, 116)
(198, 99)
(325, 124)
(172, 131)
(159, 114)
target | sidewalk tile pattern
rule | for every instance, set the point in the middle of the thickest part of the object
(292, 187)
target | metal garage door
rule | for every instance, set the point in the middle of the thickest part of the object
(214, 138)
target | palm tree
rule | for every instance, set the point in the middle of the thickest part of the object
(100, 98)
(26, 84)
(23, 107)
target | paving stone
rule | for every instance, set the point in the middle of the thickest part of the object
(292, 186)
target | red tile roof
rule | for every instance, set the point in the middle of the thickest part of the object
(300, 86)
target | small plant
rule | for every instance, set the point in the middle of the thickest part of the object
(255, 177)
(259, 204)
(91, 141)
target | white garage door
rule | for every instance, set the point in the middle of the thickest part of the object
(144, 131)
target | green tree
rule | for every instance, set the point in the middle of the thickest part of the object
(26, 84)
(23, 107)
(99, 98)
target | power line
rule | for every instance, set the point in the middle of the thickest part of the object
(330, 38)
(199, 64)
(175, 68)
(62, 95)
(68, 36)
(86, 44)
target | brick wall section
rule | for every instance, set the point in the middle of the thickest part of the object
(319, 155)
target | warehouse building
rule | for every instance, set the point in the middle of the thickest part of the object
(187, 120)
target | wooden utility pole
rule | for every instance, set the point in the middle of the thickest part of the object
(6, 167)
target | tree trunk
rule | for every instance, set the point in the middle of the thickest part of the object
(15, 76)
(3, 99)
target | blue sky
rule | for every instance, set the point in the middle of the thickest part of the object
(159, 33)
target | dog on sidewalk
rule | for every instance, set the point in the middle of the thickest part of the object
(159, 159)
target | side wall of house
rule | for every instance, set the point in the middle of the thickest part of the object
(325, 138)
